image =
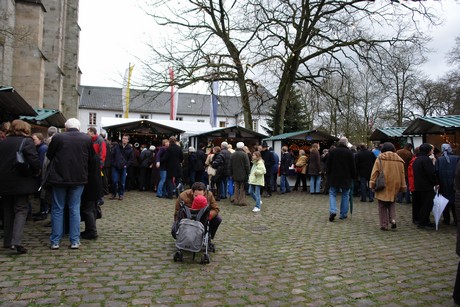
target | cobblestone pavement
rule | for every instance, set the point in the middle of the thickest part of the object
(289, 254)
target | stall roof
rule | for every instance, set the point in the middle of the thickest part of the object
(185, 126)
(12, 105)
(433, 125)
(387, 133)
(46, 117)
(242, 131)
(314, 135)
(143, 126)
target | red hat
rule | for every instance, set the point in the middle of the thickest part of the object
(199, 202)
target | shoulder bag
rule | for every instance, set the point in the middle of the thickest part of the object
(380, 181)
(21, 164)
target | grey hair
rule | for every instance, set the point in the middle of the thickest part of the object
(72, 123)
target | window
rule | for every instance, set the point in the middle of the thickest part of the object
(92, 119)
(118, 115)
(179, 118)
(255, 125)
(144, 116)
(222, 124)
(200, 120)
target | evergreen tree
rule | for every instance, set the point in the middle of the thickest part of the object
(296, 117)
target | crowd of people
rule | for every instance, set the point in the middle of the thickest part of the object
(71, 172)
(63, 170)
(75, 170)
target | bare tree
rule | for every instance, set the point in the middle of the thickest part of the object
(397, 71)
(431, 98)
(212, 41)
(453, 56)
(290, 41)
(370, 97)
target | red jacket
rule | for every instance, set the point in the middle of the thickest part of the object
(99, 148)
(410, 174)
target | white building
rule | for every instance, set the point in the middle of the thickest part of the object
(98, 102)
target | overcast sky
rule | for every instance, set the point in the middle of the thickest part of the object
(115, 32)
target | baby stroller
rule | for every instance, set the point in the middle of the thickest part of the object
(192, 233)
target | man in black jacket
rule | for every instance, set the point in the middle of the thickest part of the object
(424, 182)
(269, 161)
(364, 160)
(69, 154)
(173, 159)
(227, 170)
(240, 169)
(341, 172)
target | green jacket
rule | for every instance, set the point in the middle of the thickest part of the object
(256, 177)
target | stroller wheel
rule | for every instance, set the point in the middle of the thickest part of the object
(205, 259)
(178, 256)
(211, 247)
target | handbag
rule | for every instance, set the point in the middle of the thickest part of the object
(298, 169)
(21, 164)
(211, 171)
(380, 181)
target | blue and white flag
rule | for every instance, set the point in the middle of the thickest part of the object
(214, 104)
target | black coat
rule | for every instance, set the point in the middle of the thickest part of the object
(341, 169)
(218, 163)
(93, 189)
(424, 174)
(364, 160)
(286, 161)
(269, 159)
(227, 168)
(173, 159)
(146, 158)
(200, 157)
(122, 157)
(69, 154)
(12, 182)
(240, 166)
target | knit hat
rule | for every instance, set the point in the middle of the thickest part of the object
(199, 202)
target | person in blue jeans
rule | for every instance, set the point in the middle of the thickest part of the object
(314, 169)
(364, 161)
(257, 179)
(69, 154)
(340, 175)
(161, 189)
(285, 162)
(122, 158)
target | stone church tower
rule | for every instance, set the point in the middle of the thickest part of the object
(39, 42)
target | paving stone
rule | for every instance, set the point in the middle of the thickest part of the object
(289, 254)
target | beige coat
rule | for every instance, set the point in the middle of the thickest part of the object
(393, 169)
(302, 162)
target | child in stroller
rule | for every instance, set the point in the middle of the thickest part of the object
(192, 231)
(186, 198)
